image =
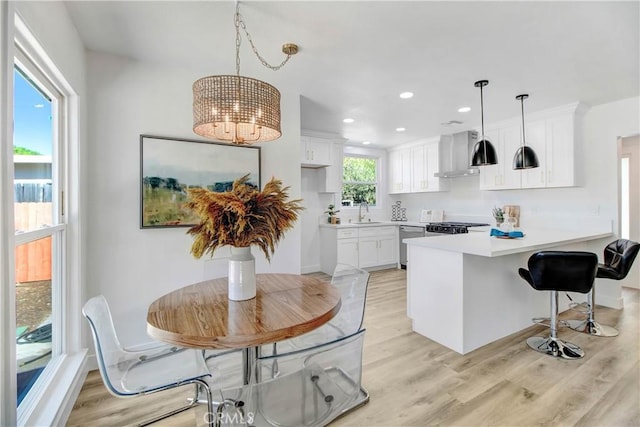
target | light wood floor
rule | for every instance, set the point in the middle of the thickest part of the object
(416, 382)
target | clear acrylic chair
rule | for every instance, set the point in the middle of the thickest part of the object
(353, 283)
(313, 386)
(127, 373)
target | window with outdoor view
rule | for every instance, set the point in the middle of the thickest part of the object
(39, 222)
(359, 181)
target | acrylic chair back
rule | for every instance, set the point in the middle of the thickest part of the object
(127, 372)
(353, 283)
(109, 352)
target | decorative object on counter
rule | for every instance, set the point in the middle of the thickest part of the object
(516, 234)
(498, 215)
(403, 214)
(512, 212)
(525, 157)
(239, 109)
(483, 152)
(240, 218)
(331, 211)
(396, 211)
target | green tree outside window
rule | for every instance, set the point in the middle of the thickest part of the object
(359, 180)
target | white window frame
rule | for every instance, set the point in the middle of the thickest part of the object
(376, 183)
(52, 395)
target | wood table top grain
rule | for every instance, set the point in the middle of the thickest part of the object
(202, 316)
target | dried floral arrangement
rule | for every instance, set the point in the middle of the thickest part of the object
(241, 217)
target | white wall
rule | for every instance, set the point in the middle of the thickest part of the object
(315, 204)
(631, 147)
(131, 266)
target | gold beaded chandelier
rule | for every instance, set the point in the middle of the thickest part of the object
(239, 109)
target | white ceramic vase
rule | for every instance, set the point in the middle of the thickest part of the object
(242, 274)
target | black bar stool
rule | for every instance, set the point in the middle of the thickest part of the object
(618, 259)
(559, 271)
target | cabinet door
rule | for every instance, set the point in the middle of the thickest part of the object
(368, 252)
(348, 252)
(502, 176)
(419, 181)
(331, 176)
(560, 152)
(399, 171)
(315, 151)
(432, 154)
(387, 250)
(536, 139)
(510, 142)
(320, 152)
(491, 176)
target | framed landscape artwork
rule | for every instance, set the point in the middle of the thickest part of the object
(169, 166)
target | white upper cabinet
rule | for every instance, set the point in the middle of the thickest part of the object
(553, 135)
(331, 176)
(501, 176)
(560, 152)
(537, 139)
(315, 152)
(412, 169)
(400, 171)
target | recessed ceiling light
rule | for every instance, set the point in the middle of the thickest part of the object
(464, 109)
(400, 129)
(39, 106)
(406, 95)
(348, 120)
(366, 142)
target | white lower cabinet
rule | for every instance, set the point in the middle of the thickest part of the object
(377, 246)
(347, 251)
(363, 247)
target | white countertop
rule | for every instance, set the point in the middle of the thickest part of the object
(480, 243)
(372, 224)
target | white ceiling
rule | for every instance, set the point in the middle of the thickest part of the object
(357, 56)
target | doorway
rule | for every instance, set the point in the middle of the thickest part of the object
(629, 167)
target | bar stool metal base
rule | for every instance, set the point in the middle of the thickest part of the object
(591, 327)
(555, 347)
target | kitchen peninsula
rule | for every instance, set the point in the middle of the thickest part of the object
(464, 290)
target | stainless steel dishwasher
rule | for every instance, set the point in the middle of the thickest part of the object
(408, 232)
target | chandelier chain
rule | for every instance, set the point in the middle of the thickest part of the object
(239, 23)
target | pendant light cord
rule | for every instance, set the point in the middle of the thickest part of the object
(524, 143)
(484, 145)
(239, 23)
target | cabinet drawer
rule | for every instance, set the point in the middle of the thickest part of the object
(347, 233)
(389, 230)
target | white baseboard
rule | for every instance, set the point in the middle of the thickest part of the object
(309, 269)
(607, 301)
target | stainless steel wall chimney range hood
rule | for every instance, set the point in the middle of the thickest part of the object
(456, 152)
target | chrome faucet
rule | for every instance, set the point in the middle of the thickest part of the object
(360, 216)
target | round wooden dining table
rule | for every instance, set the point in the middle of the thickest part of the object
(202, 316)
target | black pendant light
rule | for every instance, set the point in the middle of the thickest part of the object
(525, 157)
(483, 152)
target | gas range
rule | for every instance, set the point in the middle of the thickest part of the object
(452, 227)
